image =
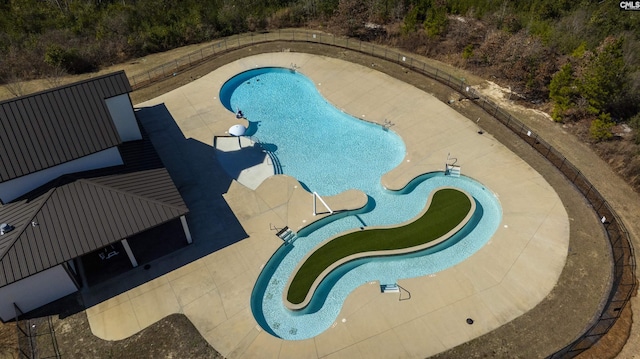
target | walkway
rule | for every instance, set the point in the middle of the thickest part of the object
(510, 275)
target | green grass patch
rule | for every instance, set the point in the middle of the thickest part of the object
(448, 208)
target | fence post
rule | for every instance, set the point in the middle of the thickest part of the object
(576, 177)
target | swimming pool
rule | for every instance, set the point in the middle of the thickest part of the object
(330, 152)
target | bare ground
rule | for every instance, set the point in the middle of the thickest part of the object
(172, 337)
(8, 341)
(552, 324)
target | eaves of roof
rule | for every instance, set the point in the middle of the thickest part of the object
(75, 219)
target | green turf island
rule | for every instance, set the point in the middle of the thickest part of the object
(447, 211)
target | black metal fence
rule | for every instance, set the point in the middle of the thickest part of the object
(624, 265)
(36, 337)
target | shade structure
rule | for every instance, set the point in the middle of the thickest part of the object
(237, 130)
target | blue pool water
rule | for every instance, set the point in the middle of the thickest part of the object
(330, 152)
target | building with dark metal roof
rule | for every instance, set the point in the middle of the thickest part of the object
(78, 176)
(48, 128)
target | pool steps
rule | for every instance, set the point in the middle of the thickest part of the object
(453, 170)
(272, 158)
(287, 235)
(389, 288)
(280, 232)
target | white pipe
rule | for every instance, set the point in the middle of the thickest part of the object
(127, 249)
(321, 200)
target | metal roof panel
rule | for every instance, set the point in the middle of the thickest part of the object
(70, 122)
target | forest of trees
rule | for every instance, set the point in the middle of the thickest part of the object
(580, 58)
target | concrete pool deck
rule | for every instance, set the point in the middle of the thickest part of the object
(511, 274)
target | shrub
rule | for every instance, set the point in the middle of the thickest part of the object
(600, 129)
(634, 122)
(68, 59)
(467, 53)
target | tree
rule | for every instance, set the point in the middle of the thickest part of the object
(436, 20)
(561, 91)
(410, 21)
(14, 85)
(605, 78)
(351, 17)
(55, 76)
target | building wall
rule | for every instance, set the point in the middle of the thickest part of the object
(35, 291)
(15, 188)
(123, 117)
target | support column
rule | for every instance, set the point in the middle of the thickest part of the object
(81, 273)
(185, 227)
(127, 249)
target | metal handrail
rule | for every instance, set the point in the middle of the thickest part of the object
(275, 161)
